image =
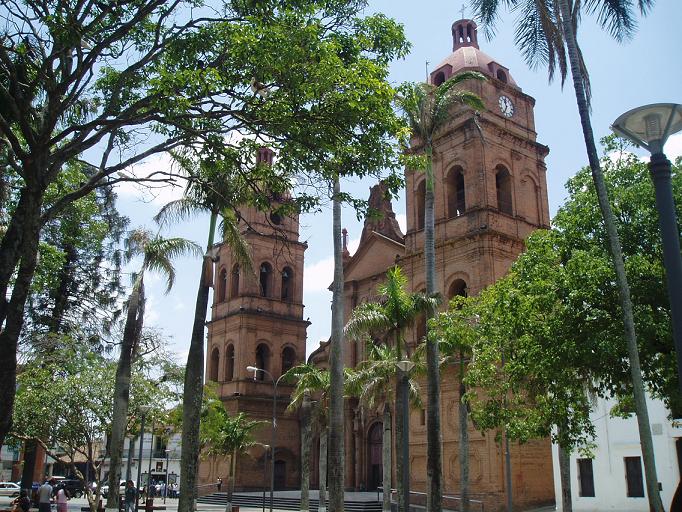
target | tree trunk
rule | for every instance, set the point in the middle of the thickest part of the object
(122, 389)
(386, 458)
(463, 441)
(193, 391)
(434, 463)
(399, 436)
(336, 423)
(565, 475)
(230, 484)
(617, 255)
(30, 449)
(61, 293)
(323, 470)
(14, 247)
(131, 454)
(305, 452)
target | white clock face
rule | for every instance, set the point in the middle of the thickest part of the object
(506, 106)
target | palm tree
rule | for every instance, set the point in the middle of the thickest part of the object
(157, 255)
(390, 317)
(313, 381)
(373, 382)
(213, 187)
(427, 108)
(548, 42)
(232, 436)
(453, 331)
(336, 423)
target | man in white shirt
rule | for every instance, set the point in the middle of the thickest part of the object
(45, 496)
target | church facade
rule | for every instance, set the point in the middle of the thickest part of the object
(491, 194)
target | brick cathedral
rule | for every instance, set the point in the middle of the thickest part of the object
(491, 194)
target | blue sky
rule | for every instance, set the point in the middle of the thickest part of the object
(647, 69)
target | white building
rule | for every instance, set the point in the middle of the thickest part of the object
(614, 478)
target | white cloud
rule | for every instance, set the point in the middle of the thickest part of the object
(156, 193)
(673, 148)
(318, 276)
(402, 221)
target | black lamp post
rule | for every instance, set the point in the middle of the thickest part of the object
(405, 367)
(273, 443)
(144, 410)
(649, 127)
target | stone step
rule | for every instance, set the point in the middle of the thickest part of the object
(283, 503)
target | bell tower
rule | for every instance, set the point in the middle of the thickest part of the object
(257, 320)
(490, 194)
(489, 170)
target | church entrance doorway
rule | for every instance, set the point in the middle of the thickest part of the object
(280, 475)
(374, 465)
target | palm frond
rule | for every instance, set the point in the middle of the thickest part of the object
(367, 318)
(181, 209)
(229, 227)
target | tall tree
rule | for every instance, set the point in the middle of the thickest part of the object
(373, 381)
(215, 186)
(454, 333)
(337, 436)
(111, 84)
(389, 318)
(427, 108)
(157, 254)
(547, 31)
(314, 382)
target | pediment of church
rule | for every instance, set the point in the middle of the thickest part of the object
(376, 254)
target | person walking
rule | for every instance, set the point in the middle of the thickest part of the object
(130, 496)
(62, 499)
(45, 495)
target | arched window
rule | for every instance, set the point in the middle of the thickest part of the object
(265, 279)
(287, 284)
(421, 328)
(229, 362)
(458, 288)
(234, 288)
(439, 78)
(262, 360)
(213, 365)
(504, 190)
(456, 194)
(288, 359)
(501, 76)
(420, 204)
(222, 285)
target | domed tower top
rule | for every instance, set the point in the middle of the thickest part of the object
(466, 56)
(464, 33)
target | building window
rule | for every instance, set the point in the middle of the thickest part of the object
(213, 365)
(585, 478)
(455, 192)
(633, 477)
(439, 78)
(422, 417)
(262, 360)
(229, 362)
(288, 359)
(265, 279)
(421, 204)
(222, 285)
(234, 288)
(458, 288)
(503, 186)
(287, 284)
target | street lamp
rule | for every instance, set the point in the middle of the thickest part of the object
(165, 486)
(273, 443)
(649, 127)
(405, 366)
(144, 409)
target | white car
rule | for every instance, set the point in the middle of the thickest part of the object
(121, 489)
(9, 489)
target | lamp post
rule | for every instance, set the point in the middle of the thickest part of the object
(151, 453)
(165, 486)
(144, 410)
(273, 442)
(649, 127)
(404, 367)
(265, 472)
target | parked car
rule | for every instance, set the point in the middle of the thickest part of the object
(73, 487)
(9, 489)
(121, 489)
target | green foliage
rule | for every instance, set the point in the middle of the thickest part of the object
(549, 336)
